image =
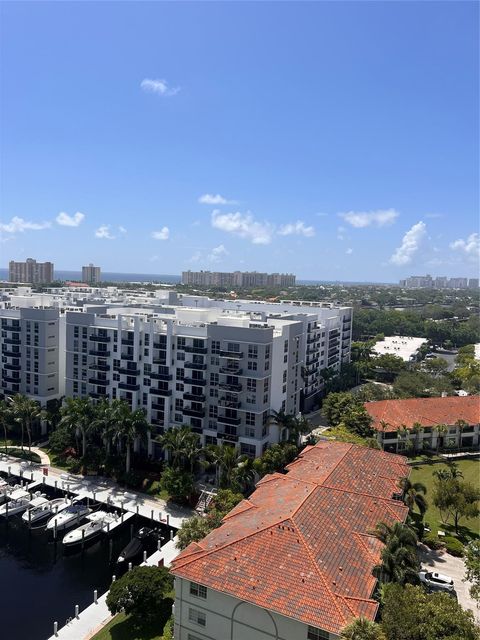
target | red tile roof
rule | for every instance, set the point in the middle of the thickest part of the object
(301, 544)
(427, 411)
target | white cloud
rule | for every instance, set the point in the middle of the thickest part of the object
(160, 87)
(470, 247)
(243, 225)
(122, 229)
(217, 253)
(103, 232)
(19, 225)
(70, 221)
(163, 234)
(298, 228)
(362, 219)
(197, 256)
(340, 233)
(209, 198)
(410, 244)
(349, 251)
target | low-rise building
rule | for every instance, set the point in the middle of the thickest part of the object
(426, 423)
(295, 560)
(404, 347)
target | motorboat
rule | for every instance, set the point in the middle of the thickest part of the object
(39, 512)
(144, 540)
(98, 522)
(20, 501)
(6, 490)
(73, 514)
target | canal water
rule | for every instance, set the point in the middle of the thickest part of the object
(41, 583)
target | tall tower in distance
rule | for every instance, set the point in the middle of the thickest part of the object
(91, 274)
(30, 271)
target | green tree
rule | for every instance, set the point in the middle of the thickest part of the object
(223, 502)
(226, 459)
(362, 629)
(409, 613)
(178, 442)
(177, 483)
(456, 499)
(399, 562)
(26, 412)
(472, 566)
(5, 417)
(192, 530)
(442, 430)
(275, 458)
(414, 495)
(78, 415)
(139, 592)
(134, 426)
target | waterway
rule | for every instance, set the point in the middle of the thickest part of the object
(41, 583)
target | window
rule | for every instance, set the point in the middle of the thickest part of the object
(198, 590)
(213, 411)
(214, 378)
(180, 343)
(180, 355)
(215, 346)
(198, 617)
(192, 637)
(248, 450)
(249, 432)
(252, 365)
(316, 634)
(253, 351)
(234, 347)
(250, 418)
(251, 384)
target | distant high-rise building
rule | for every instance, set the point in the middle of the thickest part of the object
(91, 274)
(440, 282)
(458, 283)
(473, 283)
(30, 271)
(238, 279)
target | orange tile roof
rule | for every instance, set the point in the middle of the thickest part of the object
(301, 544)
(427, 411)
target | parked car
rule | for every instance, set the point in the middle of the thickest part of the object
(436, 581)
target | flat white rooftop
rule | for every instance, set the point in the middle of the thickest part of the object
(405, 347)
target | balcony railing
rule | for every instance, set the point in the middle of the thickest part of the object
(160, 376)
(13, 367)
(195, 381)
(194, 397)
(99, 367)
(199, 350)
(11, 379)
(229, 420)
(102, 354)
(10, 327)
(231, 404)
(98, 394)
(99, 381)
(160, 392)
(158, 406)
(231, 354)
(128, 341)
(126, 356)
(195, 365)
(230, 371)
(12, 341)
(228, 437)
(235, 388)
(159, 361)
(96, 338)
(159, 345)
(313, 339)
(194, 413)
(128, 387)
(127, 371)
(11, 354)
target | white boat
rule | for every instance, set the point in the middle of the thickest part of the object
(73, 514)
(19, 502)
(42, 510)
(98, 522)
(6, 490)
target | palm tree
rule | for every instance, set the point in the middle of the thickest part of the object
(78, 415)
(398, 535)
(26, 412)
(244, 475)
(417, 430)
(414, 495)
(5, 417)
(135, 426)
(399, 562)
(441, 430)
(362, 629)
(461, 424)
(226, 459)
(106, 420)
(454, 471)
(442, 474)
(383, 427)
(402, 433)
(192, 450)
(285, 421)
(176, 441)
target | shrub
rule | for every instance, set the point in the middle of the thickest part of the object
(431, 540)
(25, 454)
(168, 630)
(453, 546)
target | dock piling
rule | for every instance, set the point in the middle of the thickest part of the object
(95, 596)
(129, 566)
(55, 628)
(144, 556)
(77, 610)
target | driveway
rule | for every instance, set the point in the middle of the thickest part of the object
(455, 568)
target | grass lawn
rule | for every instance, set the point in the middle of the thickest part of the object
(422, 471)
(121, 627)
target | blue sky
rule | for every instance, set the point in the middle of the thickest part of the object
(334, 140)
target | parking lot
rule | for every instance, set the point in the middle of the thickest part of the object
(453, 567)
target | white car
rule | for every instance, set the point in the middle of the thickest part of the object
(436, 581)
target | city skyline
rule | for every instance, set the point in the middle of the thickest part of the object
(352, 151)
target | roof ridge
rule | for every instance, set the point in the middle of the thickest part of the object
(337, 464)
(359, 493)
(317, 568)
(360, 535)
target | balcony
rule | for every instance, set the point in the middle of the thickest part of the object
(193, 397)
(157, 421)
(195, 365)
(195, 381)
(128, 387)
(162, 361)
(11, 354)
(160, 392)
(10, 327)
(128, 372)
(194, 413)
(231, 354)
(160, 345)
(198, 350)
(128, 341)
(230, 404)
(229, 420)
(12, 341)
(104, 339)
(313, 339)
(11, 379)
(235, 388)
(99, 381)
(99, 367)
(126, 356)
(13, 367)
(100, 354)
(228, 437)
(230, 371)
(161, 376)
(98, 394)
(158, 406)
